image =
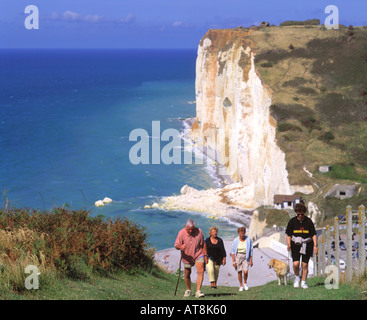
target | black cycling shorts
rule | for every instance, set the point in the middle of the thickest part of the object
(296, 255)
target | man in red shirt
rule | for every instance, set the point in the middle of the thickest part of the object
(190, 241)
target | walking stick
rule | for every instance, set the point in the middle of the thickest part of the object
(179, 274)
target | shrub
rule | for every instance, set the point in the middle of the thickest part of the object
(283, 127)
(311, 123)
(79, 270)
(295, 82)
(309, 22)
(327, 136)
(306, 91)
(290, 111)
(267, 65)
(338, 109)
(323, 89)
(350, 33)
(70, 242)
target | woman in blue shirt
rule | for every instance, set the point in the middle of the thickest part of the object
(242, 251)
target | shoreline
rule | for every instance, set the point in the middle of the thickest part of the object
(215, 202)
(221, 179)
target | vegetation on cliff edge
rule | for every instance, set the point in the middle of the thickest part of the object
(65, 243)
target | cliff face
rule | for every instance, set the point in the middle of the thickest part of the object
(233, 117)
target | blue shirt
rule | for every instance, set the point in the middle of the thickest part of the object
(249, 247)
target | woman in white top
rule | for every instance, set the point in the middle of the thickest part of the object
(242, 250)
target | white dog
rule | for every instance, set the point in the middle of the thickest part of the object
(281, 269)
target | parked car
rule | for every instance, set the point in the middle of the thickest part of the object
(341, 262)
(342, 246)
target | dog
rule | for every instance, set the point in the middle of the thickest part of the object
(281, 268)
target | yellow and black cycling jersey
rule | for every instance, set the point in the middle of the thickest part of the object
(299, 228)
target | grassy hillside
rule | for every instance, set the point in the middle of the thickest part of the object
(318, 79)
(157, 285)
(319, 82)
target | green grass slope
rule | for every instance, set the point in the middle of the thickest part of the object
(157, 285)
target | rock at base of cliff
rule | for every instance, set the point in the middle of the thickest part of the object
(187, 189)
(216, 202)
(99, 203)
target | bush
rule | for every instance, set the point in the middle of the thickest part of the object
(70, 242)
(338, 109)
(327, 136)
(310, 22)
(79, 270)
(283, 112)
(283, 127)
(266, 65)
(306, 91)
(295, 82)
(311, 123)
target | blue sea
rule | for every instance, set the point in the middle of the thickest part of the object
(65, 121)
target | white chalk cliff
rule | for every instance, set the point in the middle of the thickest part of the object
(233, 117)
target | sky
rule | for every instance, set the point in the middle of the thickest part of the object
(152, 23)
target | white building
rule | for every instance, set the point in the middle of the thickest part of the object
(286, 201)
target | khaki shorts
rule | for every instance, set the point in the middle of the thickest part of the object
(242, 264)
(190, 265)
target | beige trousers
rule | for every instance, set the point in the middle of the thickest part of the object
(213, 270)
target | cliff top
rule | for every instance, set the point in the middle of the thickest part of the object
(318, 81)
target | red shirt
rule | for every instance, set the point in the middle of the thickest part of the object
(194, 245)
